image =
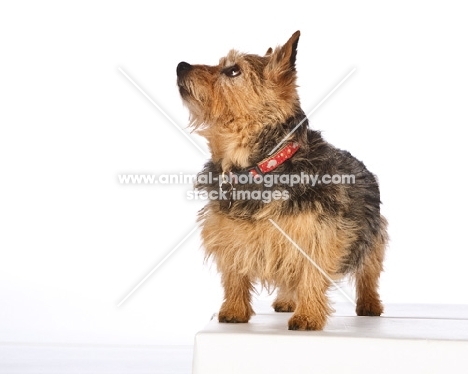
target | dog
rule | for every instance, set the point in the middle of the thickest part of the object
(297, 237)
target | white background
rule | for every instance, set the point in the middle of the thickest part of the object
(74, 242)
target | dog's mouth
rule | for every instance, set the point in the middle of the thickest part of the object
(183, 68)
(182, 90)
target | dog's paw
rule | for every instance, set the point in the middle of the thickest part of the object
(231, 315)
(306, 322)
(227, 317)
(372, 308)
(284, 306)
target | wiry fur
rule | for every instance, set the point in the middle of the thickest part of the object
(244, 107)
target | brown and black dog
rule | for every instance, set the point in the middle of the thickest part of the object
(268, 220)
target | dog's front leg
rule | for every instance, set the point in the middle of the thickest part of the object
(312, 308)
(237, 294)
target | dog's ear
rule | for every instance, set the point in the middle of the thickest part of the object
(283, 59)
(290, 49)
(269, 52)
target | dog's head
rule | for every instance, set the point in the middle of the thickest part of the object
(243, 88)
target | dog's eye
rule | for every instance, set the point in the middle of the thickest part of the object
(232, 71)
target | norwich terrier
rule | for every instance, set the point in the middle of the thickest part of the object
(280, 211)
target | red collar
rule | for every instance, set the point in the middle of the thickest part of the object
(265, 166)
(276, 159)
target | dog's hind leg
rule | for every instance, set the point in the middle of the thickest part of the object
(367, 283)
(285, 301)
(237, 295)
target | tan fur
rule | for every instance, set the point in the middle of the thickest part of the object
(268, 256)
(235, 114)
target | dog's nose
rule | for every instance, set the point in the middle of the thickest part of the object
(183, 67)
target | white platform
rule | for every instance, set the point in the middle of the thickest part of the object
(406, 339)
